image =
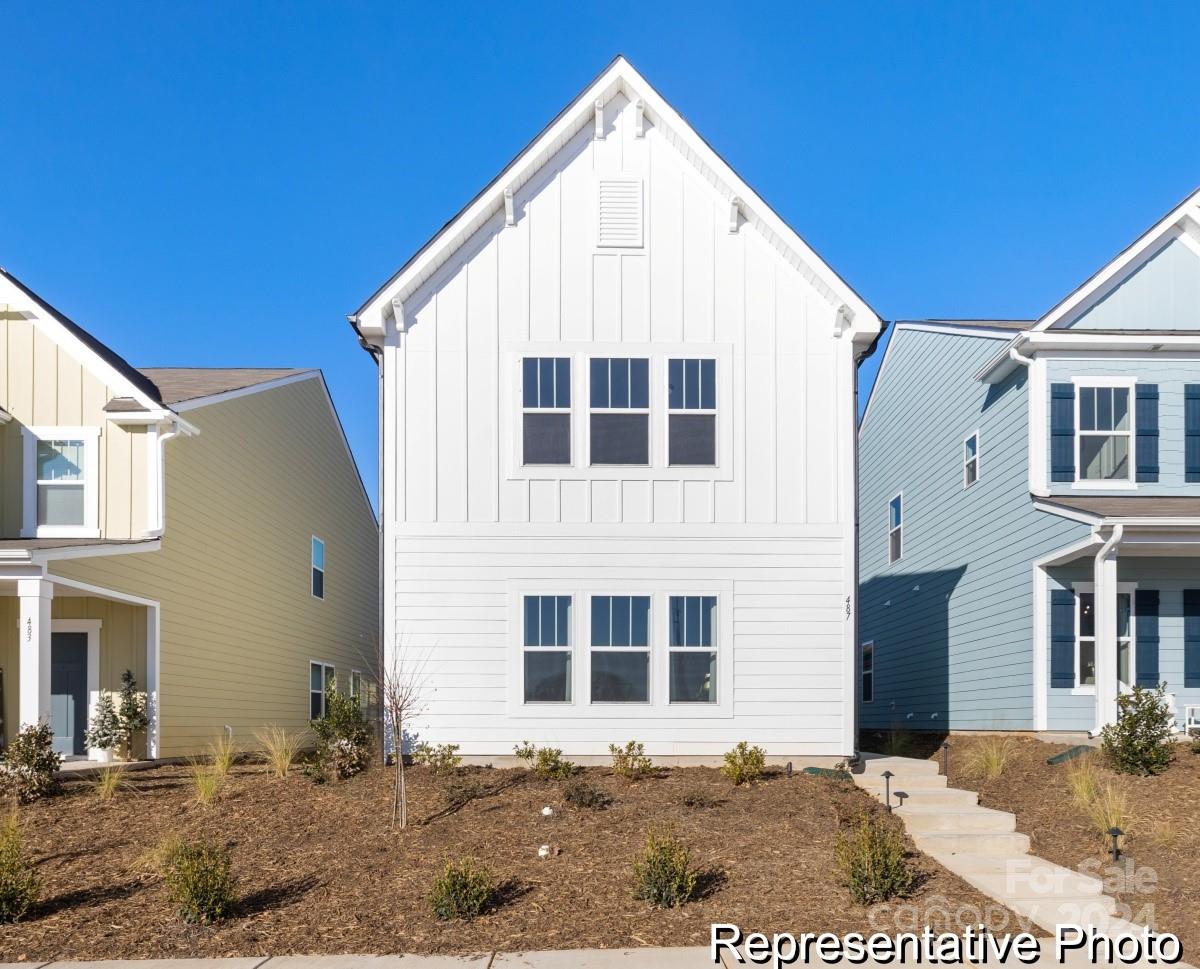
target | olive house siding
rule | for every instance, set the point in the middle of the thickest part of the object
(239, 624)
(951, 621)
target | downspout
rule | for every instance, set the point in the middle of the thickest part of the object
(161, 510)
(1106, 654)
(1016, 356)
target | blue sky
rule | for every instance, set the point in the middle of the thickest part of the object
(218, 184)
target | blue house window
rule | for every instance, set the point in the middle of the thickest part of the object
(895, 528)
(1105, 434)
(971, 460)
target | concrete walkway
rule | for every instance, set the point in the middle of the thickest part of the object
(984, 848)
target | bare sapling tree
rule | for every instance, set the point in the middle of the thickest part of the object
(404, 686)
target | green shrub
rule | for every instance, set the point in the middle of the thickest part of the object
(19, 886)
(29, 768)
(1195, 735)
(200, 882)
(744, 764)
(871, 859)
(1140, 741)
(462, 891)
(583, 795)
(545, 762)
(343, 737)
(630, 761)
(663, 874)
(442, 759)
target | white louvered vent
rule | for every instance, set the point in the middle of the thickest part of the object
(620, 218)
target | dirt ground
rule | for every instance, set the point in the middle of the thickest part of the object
(1163, 841)
(320, 872)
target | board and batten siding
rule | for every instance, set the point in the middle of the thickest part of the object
(952, 619)
(1170, 373)
(468, 528)
(238, 622)
(42, 385)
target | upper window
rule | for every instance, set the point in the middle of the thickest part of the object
(868, 672)
(356, 685)
(971, 460)
(1105, 436)
(692, 417)
(693, 649)
(60, 486)
(620, 418)
(620, 649)
(546, 410)
(320, 682)
(895, 528)
(547, 649)
(318, 568)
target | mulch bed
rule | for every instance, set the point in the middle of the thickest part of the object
(321, 872)
(1163, 832)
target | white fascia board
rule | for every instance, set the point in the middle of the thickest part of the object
(1124, 262)
(1074, 514)
(619, 77)
(1002, 364)
(92, 551)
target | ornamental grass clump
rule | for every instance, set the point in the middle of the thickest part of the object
(200, 881)
(630, 761)
(279, 749)
(206, 782)
(988, 758)
(1140, 741)
(663, 874)
(29, 767)
(1108, 809)
(1083, 779)
(462, 891)
(19, 885)
(744, 764)
(871, 858)
(222, 754)
(109, 781)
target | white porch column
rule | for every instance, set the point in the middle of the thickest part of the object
(1106, 630)
(33, 636)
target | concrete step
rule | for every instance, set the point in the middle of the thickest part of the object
(913, 782)
(948, 797)
(1049, 912)
(953, 844)
(955, 820)
(1024, 876)
(877, 764)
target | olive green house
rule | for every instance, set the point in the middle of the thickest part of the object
(205, 529)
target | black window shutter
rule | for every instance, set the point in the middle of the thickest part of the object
(1191, 428)
(1191, 637)
(1062, 638)
(1062, 432)
(1146, 422)
(1146, 612)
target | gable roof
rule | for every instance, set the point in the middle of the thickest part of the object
(178, 384)
(101, 350)
(1181, 222)
(618, 77)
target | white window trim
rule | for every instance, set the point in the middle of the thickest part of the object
(977, 459)
(511, 443)
(715, 648)
(312, 564)
(324, 666)
(1090, 587)
(569, 410)
(659, 707)
(572, 626)
(863, 672)
(669, 411)
(899, 528)
(91, 481)
(1119, 484)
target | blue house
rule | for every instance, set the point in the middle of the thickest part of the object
(1030, 505)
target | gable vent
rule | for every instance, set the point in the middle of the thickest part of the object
(620, 217)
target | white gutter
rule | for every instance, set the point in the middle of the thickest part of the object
(178, 426)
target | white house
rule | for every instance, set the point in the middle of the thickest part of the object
(618, 453)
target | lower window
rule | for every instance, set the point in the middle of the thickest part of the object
(868, 672)
(320, 682)
(620, 655)
(547, 649)
(692, 646)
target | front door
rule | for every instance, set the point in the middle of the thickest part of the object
(68, 691)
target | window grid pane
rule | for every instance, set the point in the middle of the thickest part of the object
(620, 383)
(60, 460)
(692, 384)
(546, 383)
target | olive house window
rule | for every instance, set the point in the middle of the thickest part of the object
(61, 482)
(619, 427)
(546, 410)
(692, 412)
